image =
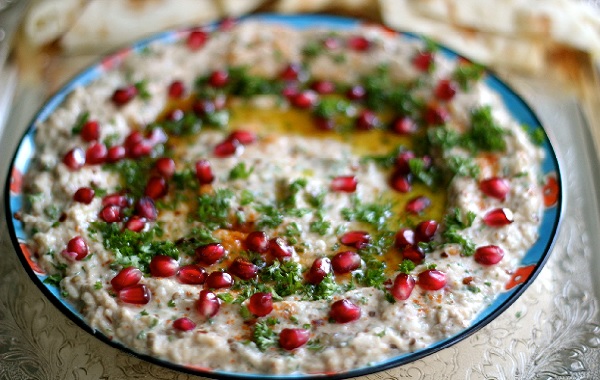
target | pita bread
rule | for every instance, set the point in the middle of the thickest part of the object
(106, 24)
(47, 20)
(95, 26)
(235, 8)
(526, 55)
(573, 23)
(355, 7)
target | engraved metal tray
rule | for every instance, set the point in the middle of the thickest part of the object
(552, 331)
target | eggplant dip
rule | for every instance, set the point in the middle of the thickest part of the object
(263, 199)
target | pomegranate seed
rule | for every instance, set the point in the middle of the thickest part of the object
(191, 274)
(436, 115)
(115, 153)
(290, 339)
(425, 230)
(71, 256)
(74, 159)
(417, 205)
(331, 43)
(135, 224)
(292, 72)
(218, 280)
(78, 246)
(280, 249)
(356, 92)
(488, 255)
(163, 266)
(227, 24)
(358, 43)
(257, 241)
(184, 324)
(498, 217)
(404, 126)
(413, 253)
(346, 184)
(84, 195)
(156, 136)
(345, 262)
(146, 208)
(402, 287)
(196, 39)
(323, 87)
(260, 304)
(165, 166)
(110, 214)
(319, 269)
(208, 304)
(176, 89)
(344, 311)
(136, 294)
(244, 137)
(243, 269)
(204, 172)
(289, 91)
(134, 138)
(123, 95)
(495, 187)
(204, 107)
(402, 161)
(90, 131)
(404, 237)
(423, 61)
(156, 187)
(445, 90)
(175, 115)
(304, 99)
(115, 199)
(401, 182)
(432, 279)
(126, 277)
(96, 154)
(227, 148)
(210, 253)
(218, 78)
(141, 149)
(324, 123)
(356, 239)
(367, 120)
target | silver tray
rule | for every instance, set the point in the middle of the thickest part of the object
(552, 331)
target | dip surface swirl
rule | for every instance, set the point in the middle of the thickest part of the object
(268, 200)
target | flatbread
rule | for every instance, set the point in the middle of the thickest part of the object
(573, 23)
(95, 26)
(46, 21)
(522, 54)
(106, 24)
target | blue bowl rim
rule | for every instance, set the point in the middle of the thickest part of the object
(310, 19)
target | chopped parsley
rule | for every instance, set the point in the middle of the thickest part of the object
(485, 134)
(385, 161)
(142, 89)
(406, 266)
(263, 336)
(240, 171)
(134, 174)
(375, 214)
(214, 209)
(285, 277)
(455, 222)
(466, 74)
(374, 273)
(133, 248)
(80, 122)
